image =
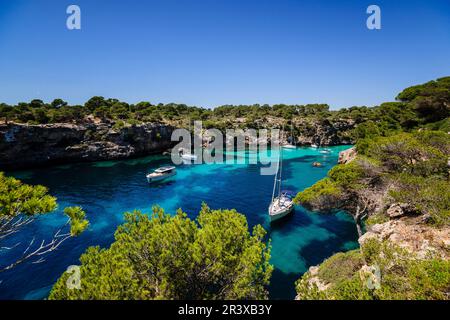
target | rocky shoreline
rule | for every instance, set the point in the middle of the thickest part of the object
(27, 146)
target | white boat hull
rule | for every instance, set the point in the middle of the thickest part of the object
(151, 179)
(189, 157)
(280, 215)
(280, 212)
(289, 146)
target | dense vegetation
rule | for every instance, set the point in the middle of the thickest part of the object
(398, 275)
(403, 159)
(413, 165)
(174, 257)
(414, 107)
(20, 204)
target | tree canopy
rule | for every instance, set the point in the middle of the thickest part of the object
(20, 204)
(174, 257)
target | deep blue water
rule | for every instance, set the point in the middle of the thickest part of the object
(107, 189)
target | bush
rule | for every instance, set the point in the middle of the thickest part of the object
(322, 195)
(405, 153)
(173, 257)
(402, 275)
(427, 195)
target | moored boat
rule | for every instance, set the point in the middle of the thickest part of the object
(186, 155)
(282, 204)
(280, 207)
(161, 174)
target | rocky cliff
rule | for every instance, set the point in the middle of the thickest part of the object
(324, 132)
(23, 145)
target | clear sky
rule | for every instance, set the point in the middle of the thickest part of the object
(214, 52)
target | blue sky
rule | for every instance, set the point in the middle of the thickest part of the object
(214, 52)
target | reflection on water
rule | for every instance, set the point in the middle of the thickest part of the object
(107, 189)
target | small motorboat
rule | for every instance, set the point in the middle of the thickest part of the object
(280, 207)
(325, 151)
(289, 146)
(313, 145)
(161, 174)
(186, 155)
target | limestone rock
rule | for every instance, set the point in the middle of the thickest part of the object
(398, 209)
(420, 239)
(347, 156)
(24, 145)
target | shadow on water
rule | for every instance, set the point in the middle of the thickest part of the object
(290, 223)
(282, 285)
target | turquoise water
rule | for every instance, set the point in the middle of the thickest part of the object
(107, 189)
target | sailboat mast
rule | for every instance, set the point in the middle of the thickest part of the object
(281, 171)
(275, 180)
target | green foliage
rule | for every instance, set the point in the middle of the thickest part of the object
(427, 195)
(19, 198)
(407, 153)
(119, 125)
(346, 175)
(173, 257)
(341, 266)
(430, 100)
(77, 218)
(368, 129)
(376, 218)
(320, 195)
(20, 203)
(330, 192)
(403, 276)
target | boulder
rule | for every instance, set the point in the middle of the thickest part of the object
(347, 156)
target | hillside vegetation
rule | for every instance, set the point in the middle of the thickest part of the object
(416, 105)
(397, 189)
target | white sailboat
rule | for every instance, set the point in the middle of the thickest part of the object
(289, 144)
(282, 204)
(186, 156)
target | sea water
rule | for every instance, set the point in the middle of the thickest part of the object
(107, 189)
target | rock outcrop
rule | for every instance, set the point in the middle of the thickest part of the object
(325, 132)
(347, 156)
(23, 145)
(420, 239)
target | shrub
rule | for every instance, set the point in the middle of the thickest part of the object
(173, 257)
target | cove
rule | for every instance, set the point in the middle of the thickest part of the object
(107, 189)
